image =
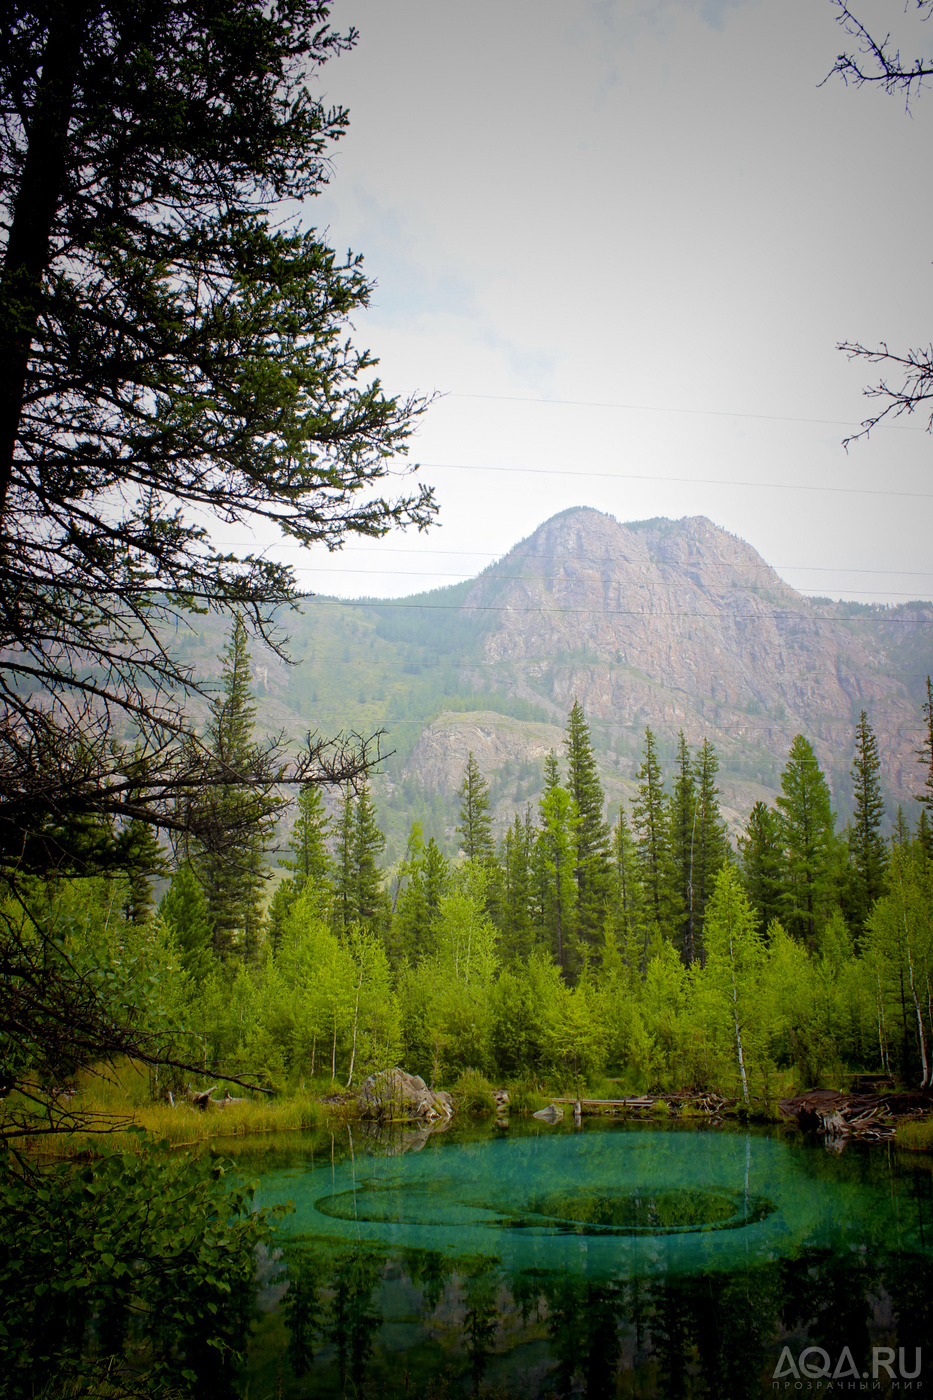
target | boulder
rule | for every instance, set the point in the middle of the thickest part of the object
(551, 1114)
(392, 1095)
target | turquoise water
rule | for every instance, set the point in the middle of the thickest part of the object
(610, 1260)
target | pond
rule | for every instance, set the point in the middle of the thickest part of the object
(616, 1259)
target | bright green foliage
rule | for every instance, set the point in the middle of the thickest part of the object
(577, 1030)
(233, 876)
(591, 866)
(811, 849)
(475, 827)
(523, 1002)
(554, 861)
(867, 849)
(184, 909)
(427, 877)
(899, 947)
(732, 978)
(153, 1250)
(663, 1003)
(447, 1000)
(652, 831)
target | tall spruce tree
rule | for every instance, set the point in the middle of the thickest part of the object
(554, 861)
(517, 930)
(652, 833)
(359, 895)
(684, 810)
(711, 844)
(867, 848)
(591, 868)
(414, 924)
(232, 879)
(806, 822)
(762, 854)
(475, 822)
(173, 347)
(368, 845)
(627, 901)
(184, 908)
(311, 862)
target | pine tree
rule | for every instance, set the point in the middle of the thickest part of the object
(415, 921)
(359, 894)
(475, 822)
(627, 902)
(184, 909)
(311, 860)
(762, 864)
(233, 879)
(344, 875)
(652, 831)
(368, 845)
(711, 844)
(141, 858)
(806, 822)
(591, 868)
(684, 810)
(554, 860)
(516, 861)
(866, 846)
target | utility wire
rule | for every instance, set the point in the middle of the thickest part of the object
(678, 480)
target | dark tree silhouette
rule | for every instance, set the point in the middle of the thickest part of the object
(877, 63)
(173, 352)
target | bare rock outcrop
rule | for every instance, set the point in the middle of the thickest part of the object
(393, 1095)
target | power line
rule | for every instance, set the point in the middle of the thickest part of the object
(544, 578)
(678, 480)
(667, 408)
(797, 615)
(586, 558)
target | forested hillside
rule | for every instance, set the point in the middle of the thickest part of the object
(676, 624)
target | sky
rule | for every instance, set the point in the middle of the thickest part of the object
(620, 241)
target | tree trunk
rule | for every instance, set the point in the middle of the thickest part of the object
(35, 207)
(738, 1033)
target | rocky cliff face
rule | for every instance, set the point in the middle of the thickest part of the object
(677, 625)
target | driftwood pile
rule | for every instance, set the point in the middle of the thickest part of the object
(203, 1100)
(864, 1117)
(709, 1104)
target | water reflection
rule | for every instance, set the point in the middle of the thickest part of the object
(377, 1316)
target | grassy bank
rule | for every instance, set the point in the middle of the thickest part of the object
(916, 1135)
(120, 1103)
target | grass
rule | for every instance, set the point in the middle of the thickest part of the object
(916, 1135)
(526, 1096)
(473, 1093)
(120, 1098)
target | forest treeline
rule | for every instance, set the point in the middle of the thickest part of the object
(568, 948)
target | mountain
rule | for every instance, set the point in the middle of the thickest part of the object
(674, 624)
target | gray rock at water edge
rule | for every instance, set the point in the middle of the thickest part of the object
(551, 1114)
(393, 1094)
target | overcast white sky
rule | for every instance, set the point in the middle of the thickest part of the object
(623, 239)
